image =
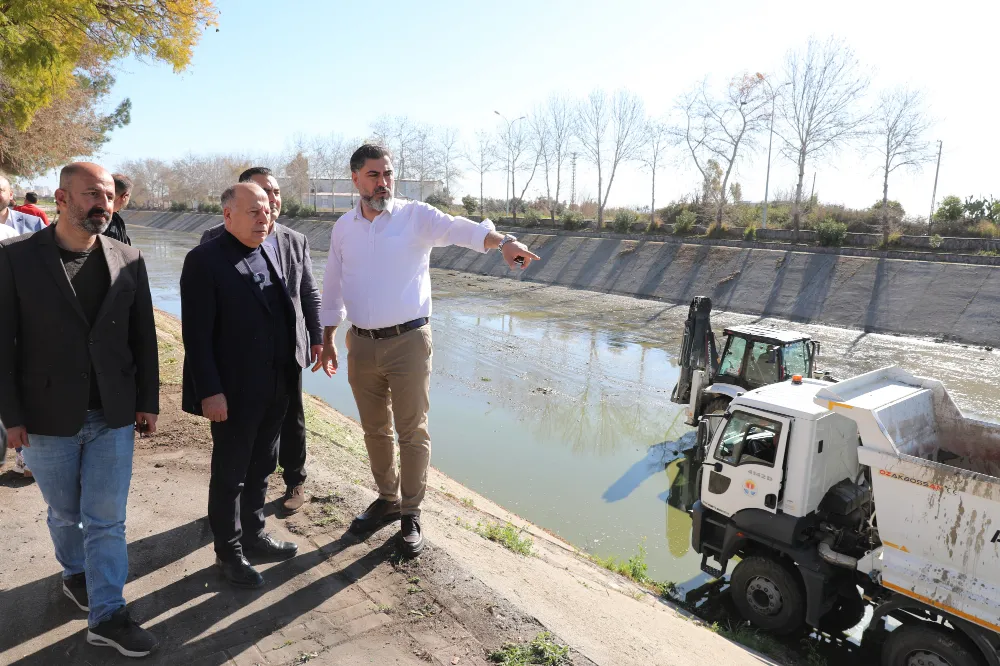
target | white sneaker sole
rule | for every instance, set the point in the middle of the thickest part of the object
(101, 641)
(73, 599)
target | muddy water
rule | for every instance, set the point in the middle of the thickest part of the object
(552, 401)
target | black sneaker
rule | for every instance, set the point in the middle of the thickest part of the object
(411, 537)
(75, 587)
(124, 635)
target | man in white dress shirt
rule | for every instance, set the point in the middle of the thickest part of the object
(378, 277)
(21, 223)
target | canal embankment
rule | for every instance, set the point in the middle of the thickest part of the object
(946, 296)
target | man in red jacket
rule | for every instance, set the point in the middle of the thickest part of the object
(30, 206)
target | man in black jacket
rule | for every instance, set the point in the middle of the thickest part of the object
(295, 269)
(79, 375)
(123, 192)
(244, 344)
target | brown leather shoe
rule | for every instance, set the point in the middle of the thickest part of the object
(380, 512)
(294, 499)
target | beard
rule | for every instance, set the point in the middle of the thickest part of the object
(378, 203)
(96, 221)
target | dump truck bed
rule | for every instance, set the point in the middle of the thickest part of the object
(936, 490)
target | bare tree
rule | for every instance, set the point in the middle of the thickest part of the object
(483, 158)
(899, 124)
(330, 156)
(820, 112)
(622, 114)
(720, 129)
(657, 136)
(560, 123)
(516, 141)
(448, 157)
(149, 177)
(396, 133)
(541, 135)
(422, 158)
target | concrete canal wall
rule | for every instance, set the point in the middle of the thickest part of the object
(872, 292)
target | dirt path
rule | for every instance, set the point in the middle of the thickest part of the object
(339, 601)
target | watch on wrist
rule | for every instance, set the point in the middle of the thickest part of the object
(506, 239)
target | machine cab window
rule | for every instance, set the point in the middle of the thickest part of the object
(732, 358)
(749, 440)
(796, 359)
(762, 364)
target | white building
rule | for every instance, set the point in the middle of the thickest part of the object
(339, 194)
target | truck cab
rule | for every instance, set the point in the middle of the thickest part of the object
(870, 492)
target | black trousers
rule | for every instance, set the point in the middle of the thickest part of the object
(244, 454)
(292, 447)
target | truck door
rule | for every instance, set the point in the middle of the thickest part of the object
(744, 465)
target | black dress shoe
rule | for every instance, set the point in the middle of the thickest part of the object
(267, 546)
(380, 512)
(411, 537)
(239, 573)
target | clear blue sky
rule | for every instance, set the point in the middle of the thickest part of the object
(303, 67)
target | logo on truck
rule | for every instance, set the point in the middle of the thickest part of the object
(750, 488)
(910, 479)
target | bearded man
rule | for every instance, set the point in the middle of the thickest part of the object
(79, 376)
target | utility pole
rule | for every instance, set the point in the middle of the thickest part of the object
(813, 192)
(770, 138)
(572, 191)
(934, 192)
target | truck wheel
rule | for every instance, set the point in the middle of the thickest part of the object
(927, 644)
(716, 405)
(847, 613)
(768, 595)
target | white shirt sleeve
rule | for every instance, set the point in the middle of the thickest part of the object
(333, 312)
(439, 229)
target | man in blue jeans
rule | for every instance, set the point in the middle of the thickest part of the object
(78, 377)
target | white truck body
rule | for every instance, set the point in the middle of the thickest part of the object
(936, 487)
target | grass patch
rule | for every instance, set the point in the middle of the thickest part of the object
(637, 571)
(760, 642)
(542, 650)
(383, 608)
(467, 502)
(485, 379)
(413, 589)
(507, 536)
(320, 427)
(413, 580)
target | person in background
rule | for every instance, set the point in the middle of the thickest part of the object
(30, 206)
(241, 362)
(123, 191)
(79, 376)
(289, 251)
(21, 223)
(378, 276)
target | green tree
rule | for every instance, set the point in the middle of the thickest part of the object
(54, 69)
(470, 203)
(950, 210)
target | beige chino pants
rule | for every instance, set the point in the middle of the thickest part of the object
(391, 383)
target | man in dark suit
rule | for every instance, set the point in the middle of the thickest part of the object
(294, 266)
(79, 375)
(244, 344)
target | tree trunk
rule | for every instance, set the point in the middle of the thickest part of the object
(885, 207)
(797, 205)
(555, 204)
(482, 209)
(513, 190)
(600, 201)
(652, 201)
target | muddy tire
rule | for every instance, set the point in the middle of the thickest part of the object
(928, 644)
(716, 405)
(769, 595)
(847, 613)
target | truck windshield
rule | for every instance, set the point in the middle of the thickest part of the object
(732, 362)
(749, 440)
(796, 359)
